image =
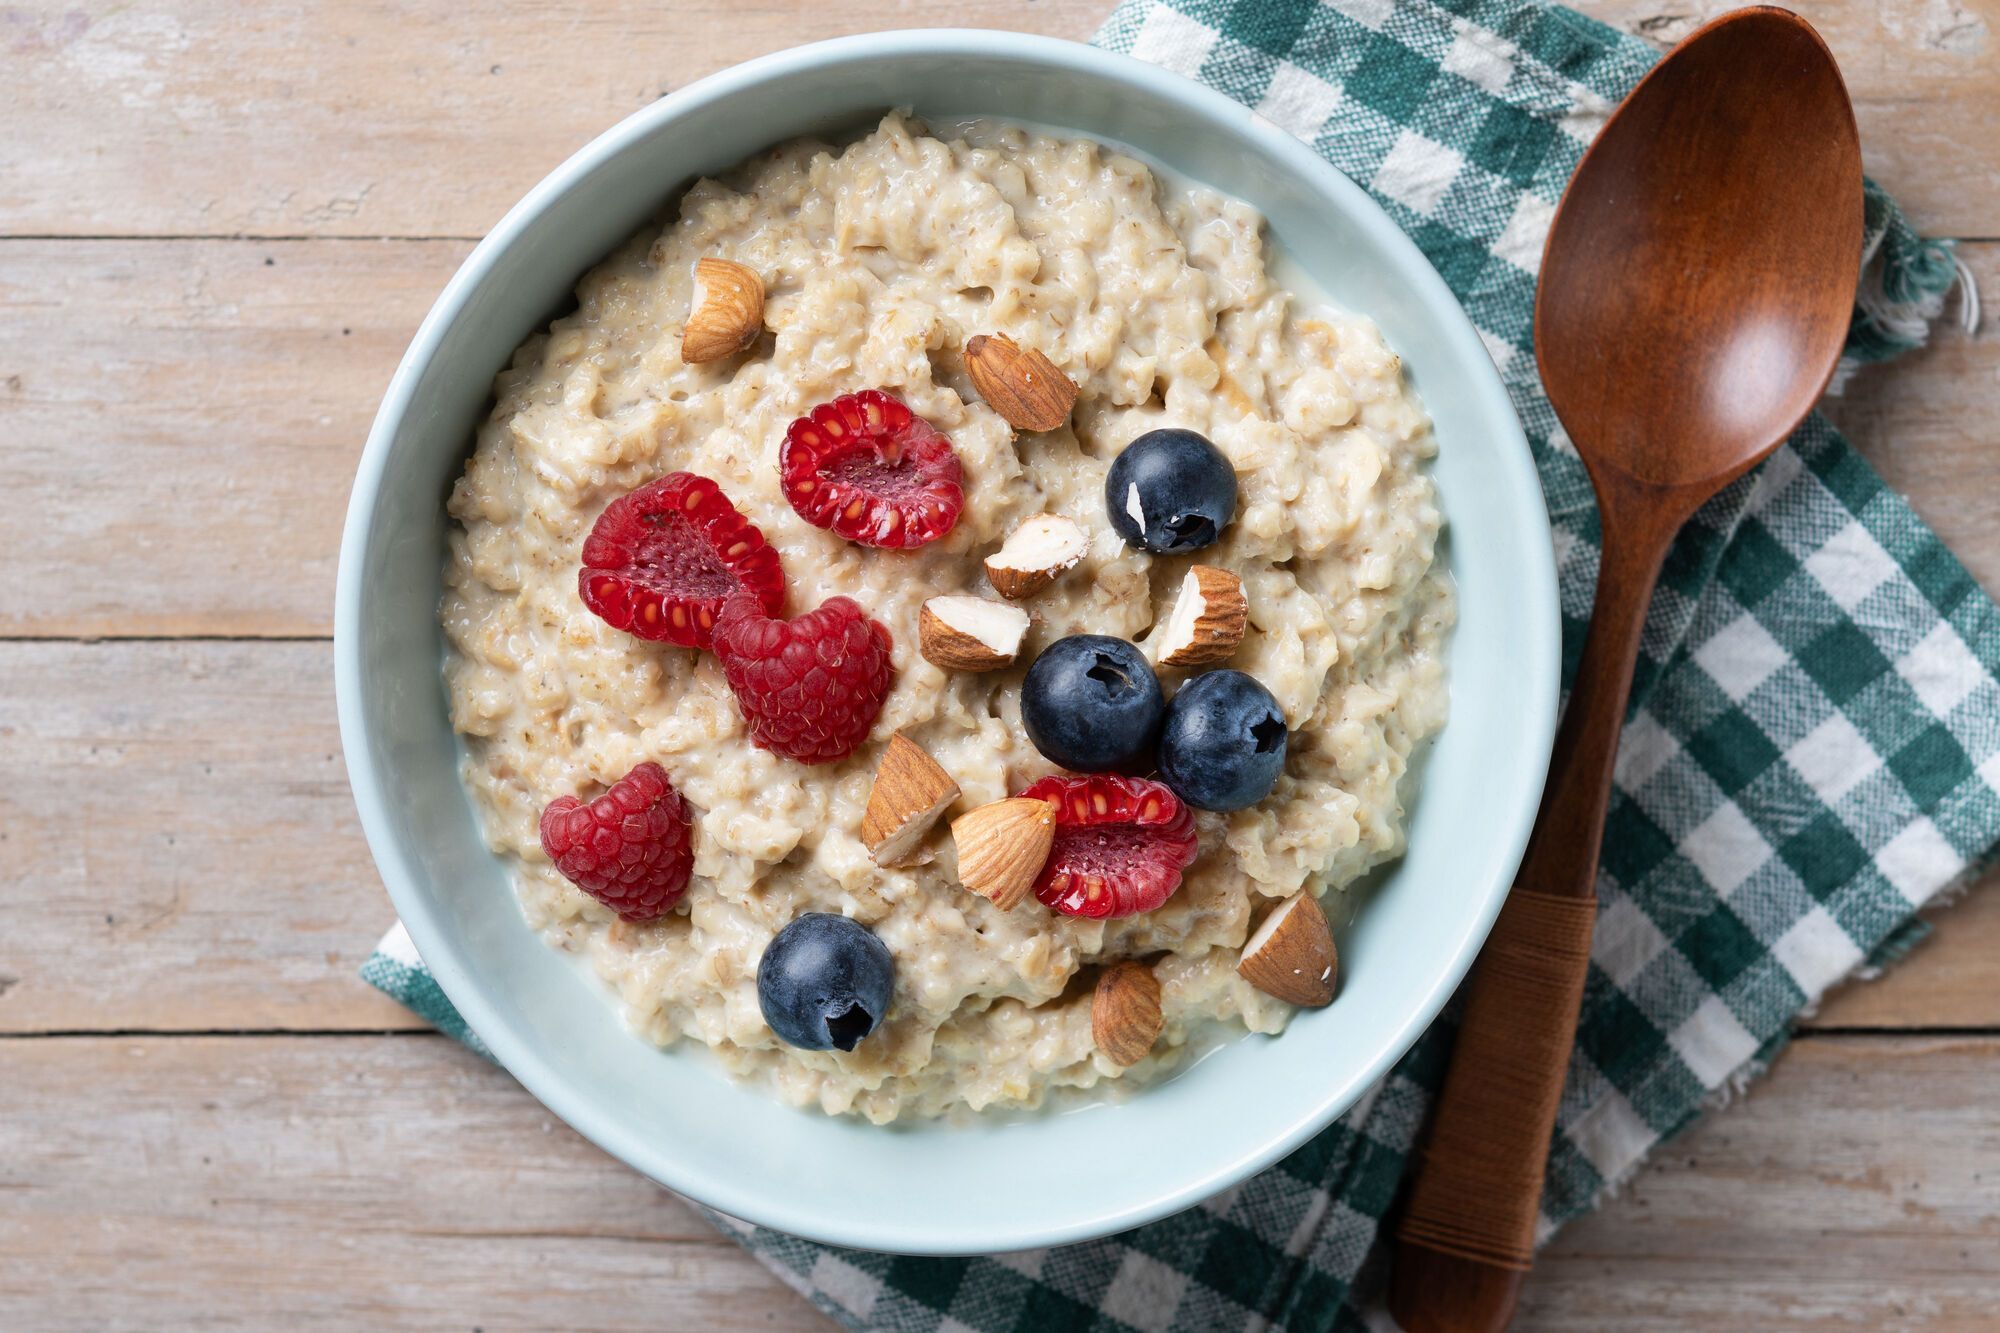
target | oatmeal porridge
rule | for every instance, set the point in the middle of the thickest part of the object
(878, 263)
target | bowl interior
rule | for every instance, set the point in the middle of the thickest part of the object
(1016, 1182)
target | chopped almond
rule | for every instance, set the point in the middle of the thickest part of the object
(911, 790)
(1035, 553)
(1291, 956)
(1207, 622)
(727, 312)
(970, 633)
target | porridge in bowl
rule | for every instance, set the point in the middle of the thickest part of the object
(1114, 621)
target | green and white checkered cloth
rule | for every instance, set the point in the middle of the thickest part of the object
(1814, 751)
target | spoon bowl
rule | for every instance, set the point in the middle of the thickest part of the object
(1695, 288)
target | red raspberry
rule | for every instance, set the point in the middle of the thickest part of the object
(868, 468)
(811, 687)
(661, 561)
(1120, 846)
(632, 848)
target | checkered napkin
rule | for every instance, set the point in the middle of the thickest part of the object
(1814, 750)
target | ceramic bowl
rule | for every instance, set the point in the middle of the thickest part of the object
(1014, 1182)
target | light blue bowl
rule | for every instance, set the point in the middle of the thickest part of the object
(1020, 1182)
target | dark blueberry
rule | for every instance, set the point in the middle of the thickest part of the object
(1171, 490)
(824, 982)
(1223, 744)
(1092, 704)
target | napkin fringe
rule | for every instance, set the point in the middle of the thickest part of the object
(1906, 281)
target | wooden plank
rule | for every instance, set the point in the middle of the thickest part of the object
(1922, 74)
(335, 118)
(373, 1183)
(182, 421)
(324, 117)
(186, 857)
(1851, 1189)
(400, 1182)
(181, 850)
(183, 418)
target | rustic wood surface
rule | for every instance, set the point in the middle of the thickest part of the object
(219, 225)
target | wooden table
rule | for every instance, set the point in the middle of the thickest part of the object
(219, 225)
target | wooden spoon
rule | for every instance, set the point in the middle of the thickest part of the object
(1695, 292)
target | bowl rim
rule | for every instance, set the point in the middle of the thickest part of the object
(435, 942)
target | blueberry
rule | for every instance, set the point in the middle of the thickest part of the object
(824, 982)
(1170, 491)
(1092, 704)
(1223, 744)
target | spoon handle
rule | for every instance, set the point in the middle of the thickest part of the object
(1467, 1235)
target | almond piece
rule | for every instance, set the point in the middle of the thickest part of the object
(1291, 955)
(727, 312)
(1002, 847)
(1035, 553)
(970, 633)
(1207, 621)
(911, 790)
(1021, 384)
(1125, 1013)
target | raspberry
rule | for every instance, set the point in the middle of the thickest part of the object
(1120, 846)
(660, 561)
(632, 848)
(871, 470)
(811, 687)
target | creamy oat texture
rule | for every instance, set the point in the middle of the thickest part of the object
(880, 260)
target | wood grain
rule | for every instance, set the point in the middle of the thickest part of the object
(182, 421)
(370, 1183)
(403, 1183)
(181, 850)
(1851, 1189)
(200, 405)
(185, 856)
(1922, 75)
(335, 118)
(332, 118)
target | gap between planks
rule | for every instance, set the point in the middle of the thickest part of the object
(351, 1034)
(256, 238)
(95, 640)
(233, 238)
